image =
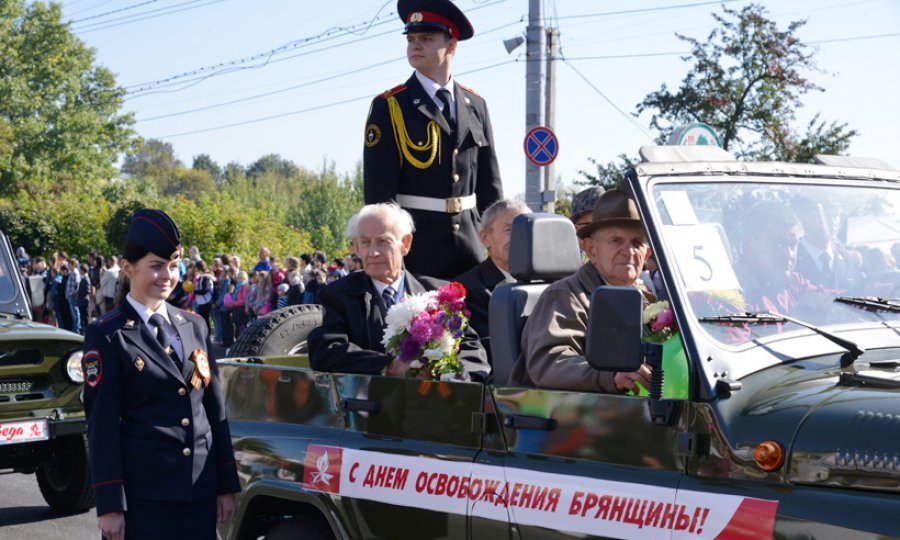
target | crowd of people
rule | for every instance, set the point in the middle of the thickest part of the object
(69, 294)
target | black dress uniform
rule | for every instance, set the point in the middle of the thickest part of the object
(444, 175)
(159, 443)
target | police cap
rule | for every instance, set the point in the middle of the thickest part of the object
(156, 232)
(434, 16)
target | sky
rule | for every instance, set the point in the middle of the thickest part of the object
(239, 79)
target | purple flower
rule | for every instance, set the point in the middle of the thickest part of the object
(455, 322)
(457, 334)
(409, 349)
(421, 328)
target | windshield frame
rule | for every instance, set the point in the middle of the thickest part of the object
(735, 361)
(19, 304)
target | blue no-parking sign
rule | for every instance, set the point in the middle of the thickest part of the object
(541, 146)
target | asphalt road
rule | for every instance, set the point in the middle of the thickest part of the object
(24, 515)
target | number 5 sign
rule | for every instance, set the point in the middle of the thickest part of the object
(701, 257)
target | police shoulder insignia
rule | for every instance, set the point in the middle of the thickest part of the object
(373, 135)
(469, 90)
(397, 89)
(92, 367)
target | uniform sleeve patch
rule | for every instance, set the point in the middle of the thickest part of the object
(92, 366)
(373, 135)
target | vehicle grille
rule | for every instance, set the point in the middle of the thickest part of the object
(23, 385)
(21, 357)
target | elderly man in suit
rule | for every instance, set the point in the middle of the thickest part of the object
(496, 226)
(553, 340)
(349, 338)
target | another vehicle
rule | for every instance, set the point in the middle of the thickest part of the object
(778, 415)
(42, 423)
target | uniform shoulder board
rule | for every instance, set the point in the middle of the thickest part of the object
(395, 90)
(469, 90)
(190, 313)
(109, 316)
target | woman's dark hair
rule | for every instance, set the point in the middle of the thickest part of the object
(132, 253)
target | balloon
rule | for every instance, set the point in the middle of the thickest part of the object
(188, 286)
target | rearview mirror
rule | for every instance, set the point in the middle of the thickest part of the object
(613, 341)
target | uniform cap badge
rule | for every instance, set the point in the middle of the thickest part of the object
(139, 363)
(415, 17)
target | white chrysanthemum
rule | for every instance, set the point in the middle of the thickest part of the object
(416, 364)
(433, 354)
(447, 343)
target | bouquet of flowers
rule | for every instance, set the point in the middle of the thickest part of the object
(660, 322)
(425, 330)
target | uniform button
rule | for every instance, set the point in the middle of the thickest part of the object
(185, 422)
(456, 151)
(186, 452)
(456, 178)
(182, 391)
(455, 227)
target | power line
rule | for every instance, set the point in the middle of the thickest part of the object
(155, 14)
(613, 105)
(126, 8)
(856, 38)
(92, 6)
(308, 109)
(643, 10)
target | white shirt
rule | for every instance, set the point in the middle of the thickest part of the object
(816, 254)
(397, 286)
(145, 313)
(431, 88)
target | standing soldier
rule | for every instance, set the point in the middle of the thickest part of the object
(429, 145)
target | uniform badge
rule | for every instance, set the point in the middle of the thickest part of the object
(179, 318)
(468, 102)
(139, 363)
(202, 375)
(417, 101)
(373, 135)
(415, 17)
(129, 324)
(92, 366)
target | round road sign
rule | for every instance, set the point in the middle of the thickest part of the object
(541, 146)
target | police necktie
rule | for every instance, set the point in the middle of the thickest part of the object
(157, 321)
(444, 95)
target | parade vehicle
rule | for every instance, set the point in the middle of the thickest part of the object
(42, 423)
(773, 411)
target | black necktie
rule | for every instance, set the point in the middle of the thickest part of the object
(444, 95)
(387, 296)
(162, 337)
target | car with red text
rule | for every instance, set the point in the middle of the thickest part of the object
(774, 411)
(42, 422)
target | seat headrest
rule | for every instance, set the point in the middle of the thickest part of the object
(543, 247)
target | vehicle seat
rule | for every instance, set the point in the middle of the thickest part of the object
(542, 249)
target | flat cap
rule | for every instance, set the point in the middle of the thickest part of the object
(156, 232)
(434, 16)
(585, 201)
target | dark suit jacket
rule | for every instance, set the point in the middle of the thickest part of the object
(349, 338)
(810, 268)
(479, 283)
(466, 164)
(144, 416)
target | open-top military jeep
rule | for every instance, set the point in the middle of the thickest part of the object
(42, 422)
(775, 410)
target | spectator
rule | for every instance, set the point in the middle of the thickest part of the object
(95, 261)
(340, 267)
(225, 288)
(204, 284)
(236, 264)
(72, 295)
(313, 293)
(38, 288)
(217, 265)
(306, 262)
(318, 259)
(282, 296)
(22, 257)
(264, 263)
(194, 254)
(238, 308)
(261, 305)
(249, 308)
(296, 289)
(83, 295)
(109, 284)
(60, 299)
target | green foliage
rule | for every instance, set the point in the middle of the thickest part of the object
(204, 162)
(747, 82)
(325, 204)
(59, 109)
(608, 175)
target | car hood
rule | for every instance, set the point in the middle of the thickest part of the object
(25, 329)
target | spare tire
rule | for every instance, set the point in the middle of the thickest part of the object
(282, 332)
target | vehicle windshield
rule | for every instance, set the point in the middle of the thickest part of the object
(11, 301)
(824, 254)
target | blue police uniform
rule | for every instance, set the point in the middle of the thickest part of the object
(159, 444)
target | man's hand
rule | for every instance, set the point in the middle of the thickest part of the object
(112, 526)
(626, 381)
(396, 368)
(224, 507)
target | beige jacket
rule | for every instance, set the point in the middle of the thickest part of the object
(553, 338)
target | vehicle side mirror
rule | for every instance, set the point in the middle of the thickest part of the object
(613, 341)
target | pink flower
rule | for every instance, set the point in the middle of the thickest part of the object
(452, 292)
(421, 328)
(665, 319)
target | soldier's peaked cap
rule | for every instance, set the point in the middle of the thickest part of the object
(156, 232)
(434, 16)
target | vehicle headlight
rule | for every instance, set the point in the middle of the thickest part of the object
(73, 366)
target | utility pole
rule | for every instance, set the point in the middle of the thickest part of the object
(534, 75)
(548, 197)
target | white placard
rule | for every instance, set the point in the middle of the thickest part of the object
(20, 432)
(701, 257)
(679, 207)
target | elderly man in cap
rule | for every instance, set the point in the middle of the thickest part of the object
(429, 145)
(496, 226)
(554, 337)
(349, 340)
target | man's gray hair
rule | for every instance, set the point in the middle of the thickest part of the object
(501, 207)
(396, 219)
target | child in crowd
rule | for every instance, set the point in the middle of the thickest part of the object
(238, 306)
(282, 295)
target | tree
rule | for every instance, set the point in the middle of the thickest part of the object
(272, 163)
(153, 160)
(747, 83)
(189, 183)
(607, 176)
(326, 202)
(61, 111)
(204, 162)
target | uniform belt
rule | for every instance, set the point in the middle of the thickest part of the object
(453, 205)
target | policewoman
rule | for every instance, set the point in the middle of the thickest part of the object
(160, 449)
(429, 146)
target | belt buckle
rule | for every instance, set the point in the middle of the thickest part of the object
(454, 205)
